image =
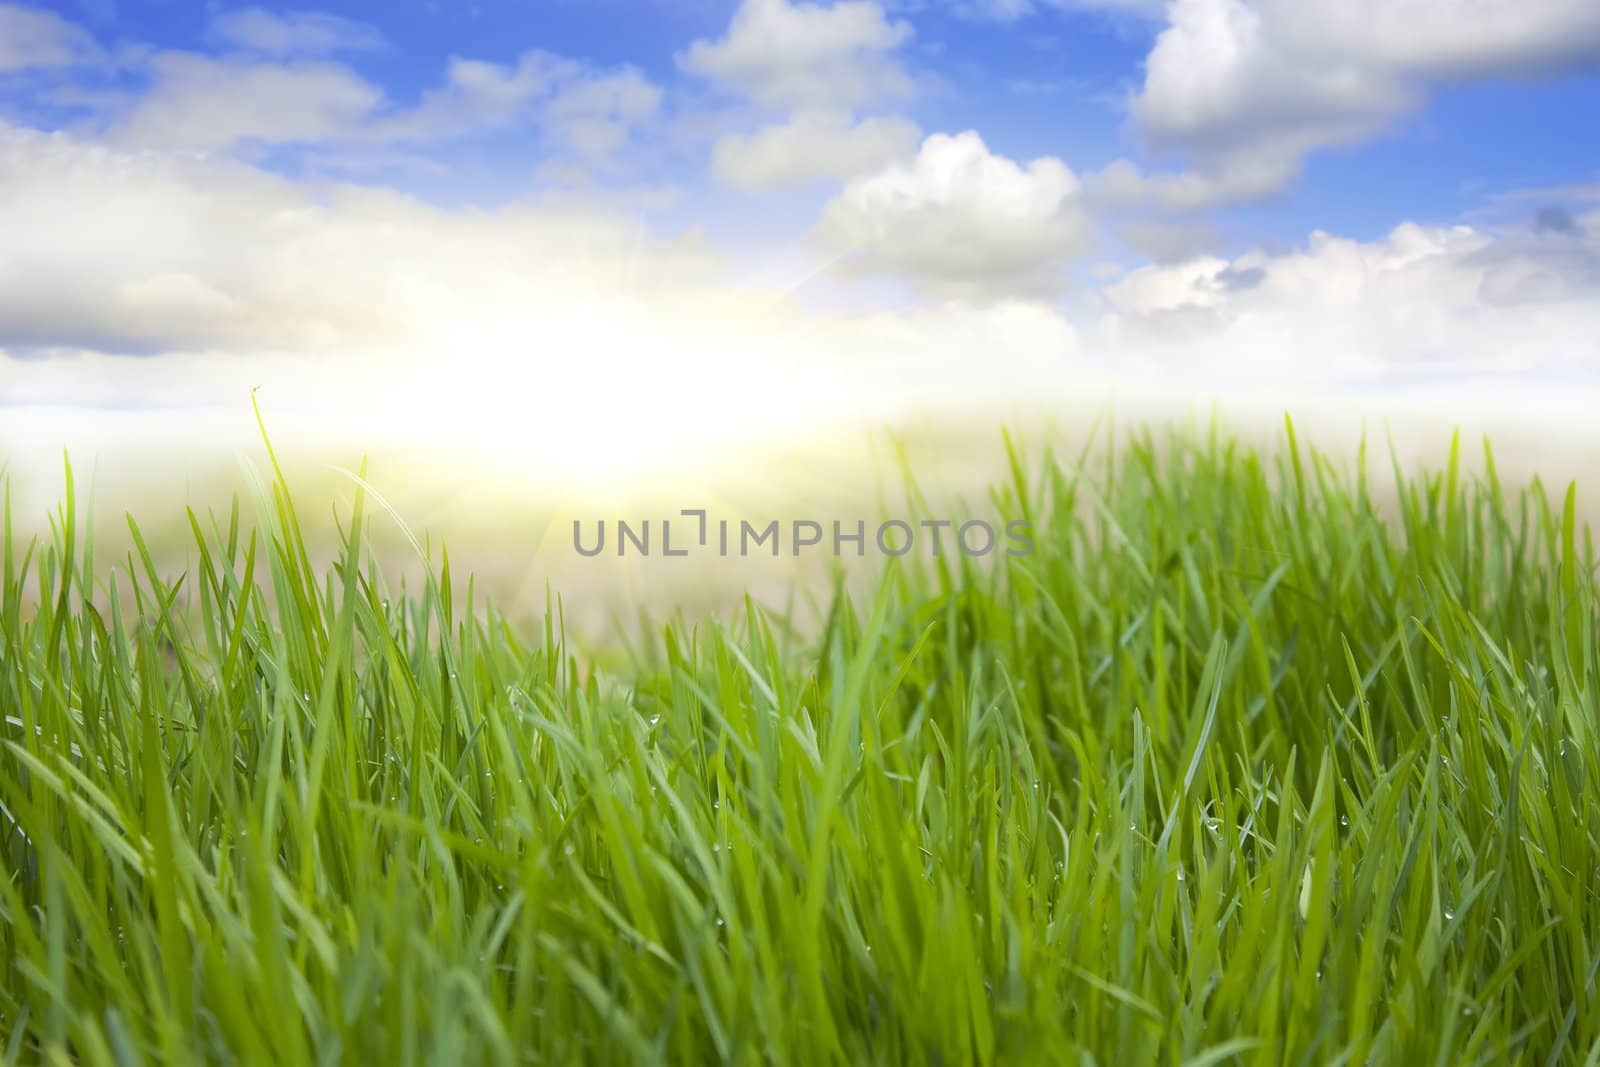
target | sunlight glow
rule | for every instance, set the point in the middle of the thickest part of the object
(595, 397)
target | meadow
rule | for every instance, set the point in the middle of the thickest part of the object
(1251, 761)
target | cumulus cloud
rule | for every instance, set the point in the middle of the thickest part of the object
(196, 252)
(960, 220)
(186, 254)
(1451, 299)
(31, 39)
(1246, 89)
(1448, 39)
(194, 255)
(792, 56)
(236, 267)
(813, 146)
(1222, 75)
(294, 33)
(823, 67)
(198, 279)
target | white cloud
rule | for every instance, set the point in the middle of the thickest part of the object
(1437, 300)
(214, 104)
(583, 110)
(1248, 88)
(1167, 237)
(204, 104)
(821, 66)
(961, 220)
(813, 146)
(792, 56)
(294, 33)
(1252, 172)
(478, 94)
(31, 39)
(226, 276)
(186, 254)
(191, 254)
(1447, 39)
(594, 114)
(1225, 74)
(278, 87)
(372, 313)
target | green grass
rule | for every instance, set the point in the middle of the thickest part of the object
(1233, 769)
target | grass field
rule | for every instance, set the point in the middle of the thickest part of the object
(1240, 766)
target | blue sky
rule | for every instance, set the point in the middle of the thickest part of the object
(1053, 82)
(1339, 192)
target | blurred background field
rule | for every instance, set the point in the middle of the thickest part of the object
(505, 515)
